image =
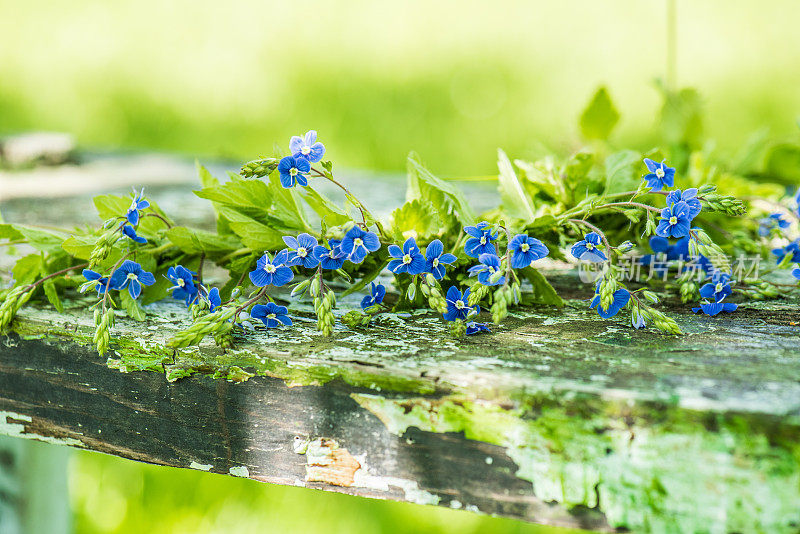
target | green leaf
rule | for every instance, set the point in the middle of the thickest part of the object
(41, 239)
(543, 292)
(514, 199)
(80, 246)
(327, 211)
(8, 231)
(206, 179)
(111, 206)
(445, 196)
(417, 215)
(236, 269)
(599, 117)
(194, 241)
(623, 171)
(132, 306)
(52, 294)
(285, 207)
(254, 234)
(251, 197)
(158, 290)
(28, 269)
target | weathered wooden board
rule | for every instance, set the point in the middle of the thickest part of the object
(558, 417)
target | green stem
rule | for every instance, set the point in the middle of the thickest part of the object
(57, 273)
(595, 229)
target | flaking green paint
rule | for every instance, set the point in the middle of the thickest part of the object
(653, 467)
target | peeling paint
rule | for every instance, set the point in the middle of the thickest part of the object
(200, 467)
(9, 427)
(239, 471)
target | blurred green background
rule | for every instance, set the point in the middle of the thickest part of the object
(453, 80)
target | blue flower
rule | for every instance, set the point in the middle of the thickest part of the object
(690, 197)
(476, 328)
(134, 211)
(715, 308)
(183, 284)
(357, 243)
(436, 259)
(797, 201)
(307, 147)
(480, 240)
(718, 289)
(526, 250)
(131, 275)
(792, 248)
(660, 175)
(662, 249)
(775, 220)
(331, 257)
(409, 259)
(458, 305)
(621, 298)
(796, 272)
(675, 220)
(489, 264)
(637, 321)
(100, 283)
(293, 170)
(375, 297)
(214, 300)
(271, 315)
(301, 250)
(273, 272)
(588, 248)
(131, 233)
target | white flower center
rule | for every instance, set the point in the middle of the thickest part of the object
(305, 150)
(302, 252)
(358, 242)
(132, 276)
(269, 268)
(293, 171)
(460, 305)
(483, 240)
(524, 247)
(718, 288)
(181, 282)
(589, 246)
(673, 220)
(660, 172)
(406, 258)
(271, 316)
(435, 262)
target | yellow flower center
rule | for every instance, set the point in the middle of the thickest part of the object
(132, 276)
(358, 242)
(407, 258)
(673, 220)
(718, 288)
(271, 316)
(293, 171)
(483, 240)
(305, 150)
(589, 246)
(435, 262)
(181, 282)
(524, 247)
(460, 305)
(660, 172)
(269, 268)
(302, 252)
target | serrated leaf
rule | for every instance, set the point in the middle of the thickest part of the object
(445, 196)
(327, 211)
(79, 246)
(132, 306)
(28, 269)
(252, 197)
(206, 179)
(193, 241)
(110, 206)
(543, 292)
(253, 234)
(416, 215)
(285, 206)
(623, 171)
(513, 197)
(599, 117)
(41, 240)
(51, 293)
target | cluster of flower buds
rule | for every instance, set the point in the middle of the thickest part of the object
(103, 322)
(259, 168)
(713, 201)
(14, 300)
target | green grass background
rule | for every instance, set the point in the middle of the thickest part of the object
(451, 79)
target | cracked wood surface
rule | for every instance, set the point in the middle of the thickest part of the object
(558, 417)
